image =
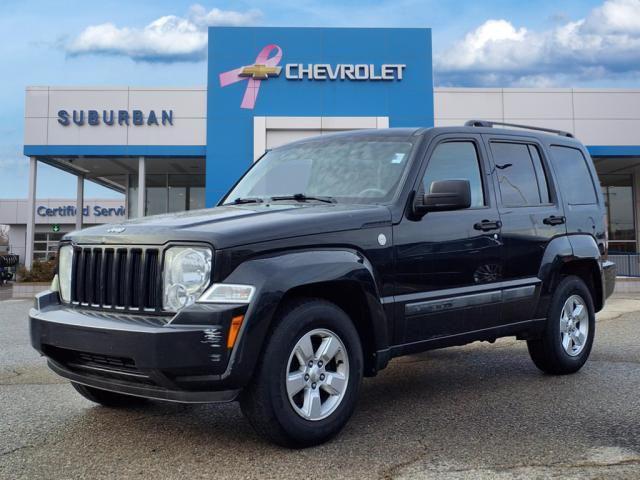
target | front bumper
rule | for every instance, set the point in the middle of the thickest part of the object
(184, 360)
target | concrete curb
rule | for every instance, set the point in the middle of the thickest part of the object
(28, 290)
(627, 285)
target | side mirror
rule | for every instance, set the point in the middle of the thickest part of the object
(444, 195)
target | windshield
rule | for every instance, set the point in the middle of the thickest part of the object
(342, 169)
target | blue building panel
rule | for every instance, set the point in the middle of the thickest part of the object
(233, 99)
(115, 150)
(614, 150)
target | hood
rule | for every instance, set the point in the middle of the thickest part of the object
(234, 225)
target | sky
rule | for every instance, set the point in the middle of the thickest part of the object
(586, 43)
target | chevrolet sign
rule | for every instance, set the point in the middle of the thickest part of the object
(344, 71)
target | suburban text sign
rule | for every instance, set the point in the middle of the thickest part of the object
(115, 117)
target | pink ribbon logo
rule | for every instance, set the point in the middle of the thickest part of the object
(263, 68)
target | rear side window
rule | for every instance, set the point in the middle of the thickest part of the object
(541, 176)
(574, 176)
(520, 173)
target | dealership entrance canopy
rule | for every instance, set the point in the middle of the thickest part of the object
(173, 149)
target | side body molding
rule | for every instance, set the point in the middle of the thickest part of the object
(275, 275)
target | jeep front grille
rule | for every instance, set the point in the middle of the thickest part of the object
(119, 278)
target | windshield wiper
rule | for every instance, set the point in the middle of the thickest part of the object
(240, 200)
(301, 197)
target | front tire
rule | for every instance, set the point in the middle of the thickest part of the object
(307, 381)
(106, 398)
(568, 337)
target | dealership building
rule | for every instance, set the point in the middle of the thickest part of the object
(174, 149)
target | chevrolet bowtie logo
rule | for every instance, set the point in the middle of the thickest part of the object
(264, 66)
(260, 72)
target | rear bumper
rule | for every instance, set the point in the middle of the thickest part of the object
(184, 360)
(608, 278)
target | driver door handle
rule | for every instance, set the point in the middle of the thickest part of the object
(553, 220)
(487, 225)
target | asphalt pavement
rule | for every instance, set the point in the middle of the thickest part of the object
(479, 411)
(5, 292)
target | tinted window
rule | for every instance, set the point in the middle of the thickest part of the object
(456, 161)
(541, 175)
(518, 177)
(350, 169)
(574, 177)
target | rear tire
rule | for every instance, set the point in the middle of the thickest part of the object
(568, 337)
(307, 380)
(106, 398)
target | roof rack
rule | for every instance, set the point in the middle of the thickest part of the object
(488, 124)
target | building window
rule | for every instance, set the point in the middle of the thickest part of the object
(157, 194)
(168, 193)
(196, 198)
(618, 196)
(45, 245)
(186, 192)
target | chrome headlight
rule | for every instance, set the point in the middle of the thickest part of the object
(65, 263)
(186, 274)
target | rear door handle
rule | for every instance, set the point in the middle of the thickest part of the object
(553, 220)
(486, 225)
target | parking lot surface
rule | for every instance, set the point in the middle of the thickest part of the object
(479, 411)
(5, 292)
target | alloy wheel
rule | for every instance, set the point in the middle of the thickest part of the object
(574, 325)
(317, 374)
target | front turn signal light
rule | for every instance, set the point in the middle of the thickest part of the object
(228, 293)
(236, 323)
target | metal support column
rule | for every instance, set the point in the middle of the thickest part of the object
(31, 215)
(635, 189)
(79, 202)
(142, 197)
(127, 197)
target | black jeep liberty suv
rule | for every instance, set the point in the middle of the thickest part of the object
(327, 259)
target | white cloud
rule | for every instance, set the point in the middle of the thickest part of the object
(168, 39)
(620, 17)
(604, 44)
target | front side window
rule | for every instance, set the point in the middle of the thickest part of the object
(520, 174)
(345, 169)
(456, 160)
